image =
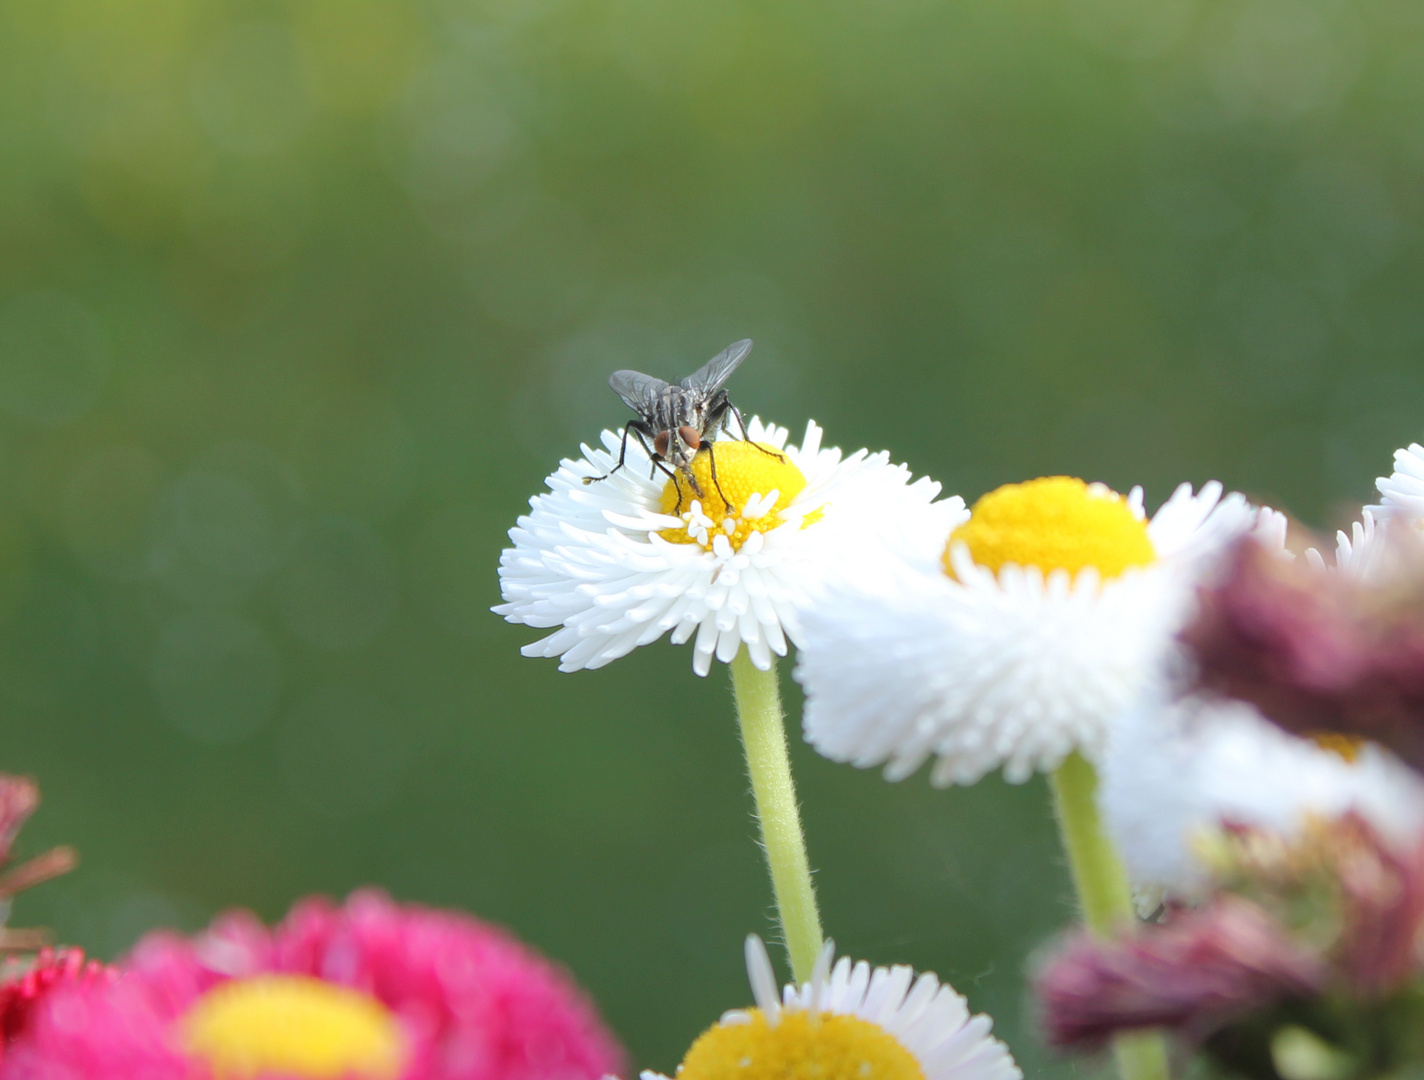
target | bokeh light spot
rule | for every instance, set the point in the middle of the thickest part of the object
(236, 510)
(343, 751)
(216, 676)
(53, 357)
(355, 453)
(107, 504)
(252, 92)
(341, 585)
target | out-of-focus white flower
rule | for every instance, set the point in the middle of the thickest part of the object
(1361, 553)
(619, 562)
(886, 1021)
(1402, 492)
(1177, 770)
(1370, 552)
(1016, 639)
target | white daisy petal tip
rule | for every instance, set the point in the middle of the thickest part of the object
(619, 561)
(1382, 545)
(1402, 492)
(1003, 663)
(929, 1025)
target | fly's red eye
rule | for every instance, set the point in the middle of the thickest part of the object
(689, 436)
(660, 444)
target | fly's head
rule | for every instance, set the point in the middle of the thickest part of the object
(678, 447)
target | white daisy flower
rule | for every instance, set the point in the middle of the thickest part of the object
(619, 563)
(1174, 772)
(848, 1023)
(1015, 640)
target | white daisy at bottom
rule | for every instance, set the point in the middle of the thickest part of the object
(1175, 771)
(850, 1022)
(616, 559)
(1014, 639)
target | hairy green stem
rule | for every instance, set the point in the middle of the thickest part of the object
(764, 740)
(1103, 894)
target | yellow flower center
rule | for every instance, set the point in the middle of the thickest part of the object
(292, 1025)
(1338, 743)
(1056, 522)
(801, 1046)
(747, 473)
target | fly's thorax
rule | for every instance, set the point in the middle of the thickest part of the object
(674, 408)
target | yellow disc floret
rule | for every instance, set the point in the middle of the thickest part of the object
(1340, 744)
(744, 470)
(1057, 522)
(292, 1025)
(800, 1046)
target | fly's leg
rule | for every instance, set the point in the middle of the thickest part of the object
(712, 462)
(745, 437)
(622, 453)
(658, 465)
(685, 473)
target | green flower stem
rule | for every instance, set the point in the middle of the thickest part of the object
(1098, 876)
(764, 740)
(1103, 893)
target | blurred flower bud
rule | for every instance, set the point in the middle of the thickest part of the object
(1195, 973)
(1316, 650)
(19, 797)
(1341, 889)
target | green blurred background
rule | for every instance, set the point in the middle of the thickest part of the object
(300, 301)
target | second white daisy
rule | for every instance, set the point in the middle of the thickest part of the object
(1013, 641)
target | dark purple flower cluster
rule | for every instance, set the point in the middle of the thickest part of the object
(1198, 971)
(1317, 650)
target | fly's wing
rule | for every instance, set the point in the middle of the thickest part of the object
(638, 391)
(711, 376)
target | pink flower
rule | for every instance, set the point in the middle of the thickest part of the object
(25, 984)
(370, 990)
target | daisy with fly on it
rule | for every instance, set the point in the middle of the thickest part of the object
(628, 546)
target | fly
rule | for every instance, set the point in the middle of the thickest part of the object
(680, 419)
